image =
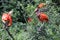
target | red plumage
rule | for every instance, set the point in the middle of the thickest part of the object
(42, 17)
(29, 19)
(6, 18)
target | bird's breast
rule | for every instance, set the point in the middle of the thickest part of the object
(43, 17)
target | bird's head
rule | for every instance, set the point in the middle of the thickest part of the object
(41, 5)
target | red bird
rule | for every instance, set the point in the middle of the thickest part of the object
(41, 5)
(29, 19)
(7, 19)
(41, 15)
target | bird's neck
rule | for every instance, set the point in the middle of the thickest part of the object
(38, 12)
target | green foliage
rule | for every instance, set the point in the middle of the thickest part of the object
(22, 30)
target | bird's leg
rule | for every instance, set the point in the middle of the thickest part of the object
(41, 26)
(5, 27)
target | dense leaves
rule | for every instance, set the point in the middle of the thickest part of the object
(21, 29)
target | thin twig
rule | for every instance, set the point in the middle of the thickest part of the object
(7, 30)
(9, 34)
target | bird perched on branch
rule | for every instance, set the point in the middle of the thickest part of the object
(41, 15)
(6, 18)
(7, 21)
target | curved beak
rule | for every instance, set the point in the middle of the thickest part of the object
(10, 12)
(36, 10)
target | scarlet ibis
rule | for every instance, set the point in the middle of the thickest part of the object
(6, 18)
(41, 15)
